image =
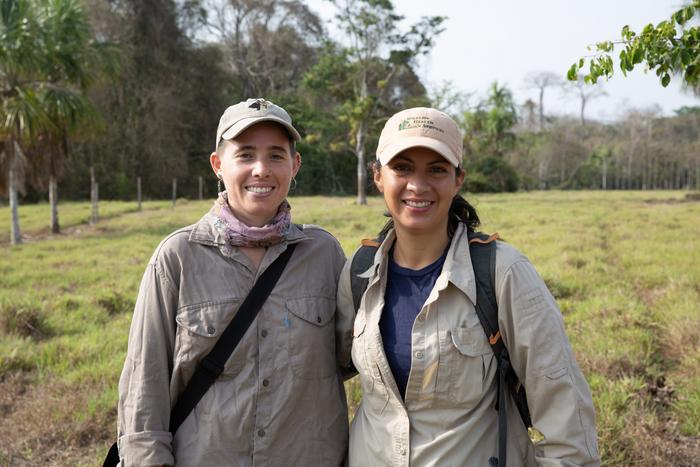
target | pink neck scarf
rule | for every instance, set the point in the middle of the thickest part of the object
(240, 234)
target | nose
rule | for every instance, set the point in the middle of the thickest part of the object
(416, 183)
(260, 168)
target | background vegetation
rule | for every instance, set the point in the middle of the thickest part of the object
(621, 266)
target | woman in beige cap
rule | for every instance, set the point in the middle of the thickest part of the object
(429, 370)
(279, 399)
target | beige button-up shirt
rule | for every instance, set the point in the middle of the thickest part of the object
(448, 417)
(280, 400)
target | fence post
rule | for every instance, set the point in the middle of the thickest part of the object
(94, 196)
(138, 191)
(174, 191)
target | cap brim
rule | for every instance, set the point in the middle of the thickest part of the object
(418, 141)
(243, 124)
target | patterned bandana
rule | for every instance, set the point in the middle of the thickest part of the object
(240, 234)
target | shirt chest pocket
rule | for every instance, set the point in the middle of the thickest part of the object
(469, 360)
(310, 329)
(199, 327)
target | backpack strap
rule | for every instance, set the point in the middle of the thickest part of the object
(482, 249)
(364, 257)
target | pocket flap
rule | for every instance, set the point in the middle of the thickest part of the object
(316, 310)
(470, 341)
(208, 319)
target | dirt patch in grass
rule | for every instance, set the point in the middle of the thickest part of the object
(650, 442)
(612, 368)
(40, 427)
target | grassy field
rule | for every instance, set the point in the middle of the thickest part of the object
(624, 267)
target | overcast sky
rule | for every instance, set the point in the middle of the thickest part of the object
(504, 40)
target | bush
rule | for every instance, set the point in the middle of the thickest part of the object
(491, 174)
(22, 319)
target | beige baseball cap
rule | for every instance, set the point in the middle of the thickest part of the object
(421, 127)
(243, 115)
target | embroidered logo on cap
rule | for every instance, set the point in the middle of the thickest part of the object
(419, 122)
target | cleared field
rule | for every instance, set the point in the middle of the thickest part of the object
(623, 266)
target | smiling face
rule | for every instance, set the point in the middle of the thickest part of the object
(256, 168)
(418, 186)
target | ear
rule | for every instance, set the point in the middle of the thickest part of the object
(296, 164)
(459, 180)
(215, 162)
(377, 174)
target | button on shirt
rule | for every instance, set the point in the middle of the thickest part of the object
(406, 292)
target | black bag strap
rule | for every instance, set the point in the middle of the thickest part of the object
(212, 365)
(482, 249)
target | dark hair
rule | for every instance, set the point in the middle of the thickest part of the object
(460, 211)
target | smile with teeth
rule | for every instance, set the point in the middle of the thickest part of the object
(259, 189)
(417, 204)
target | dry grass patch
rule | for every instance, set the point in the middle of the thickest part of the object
(40, 427)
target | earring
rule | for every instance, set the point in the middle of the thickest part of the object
(219, 187)
(293, 184)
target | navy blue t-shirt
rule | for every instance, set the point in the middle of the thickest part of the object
(406, 293)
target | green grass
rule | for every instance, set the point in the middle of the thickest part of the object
(623, 266)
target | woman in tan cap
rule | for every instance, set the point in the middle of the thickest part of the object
(278, 398)
(431, 355)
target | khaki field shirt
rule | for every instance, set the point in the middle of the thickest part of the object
(448, 417)
(280, 400)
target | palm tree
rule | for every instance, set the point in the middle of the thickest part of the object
(74, 62)
(47, 59)
(20, 112)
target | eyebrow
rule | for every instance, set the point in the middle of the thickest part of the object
(250, 147)
(438, 159)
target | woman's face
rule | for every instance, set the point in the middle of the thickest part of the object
(418, 186)
(256, 169)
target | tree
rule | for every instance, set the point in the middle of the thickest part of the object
(488, 128)
(22, 60)
(74, 61)
(541, 80)
(585, 94)
(670, 47)
(370, 27)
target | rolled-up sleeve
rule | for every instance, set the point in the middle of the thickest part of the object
(144, 386)
(558, 396)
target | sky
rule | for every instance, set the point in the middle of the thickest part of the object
(504, 40)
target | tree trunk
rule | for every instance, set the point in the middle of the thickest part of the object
(201, 188)
(138, 191)
(361, 169)
(94, 197)
(16, 235)
(174, 191)
(604, 181)
(53, 202)
(541, 109)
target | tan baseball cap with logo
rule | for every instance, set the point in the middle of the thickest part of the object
(421, 127)
(243, 115)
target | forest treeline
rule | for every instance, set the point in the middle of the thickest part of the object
(178, 64)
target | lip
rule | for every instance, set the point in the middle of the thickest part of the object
(422, 206)
(250, 189)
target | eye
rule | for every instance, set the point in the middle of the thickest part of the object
(401, 168)
(278, 156)
(438, 169)
(244, 155)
